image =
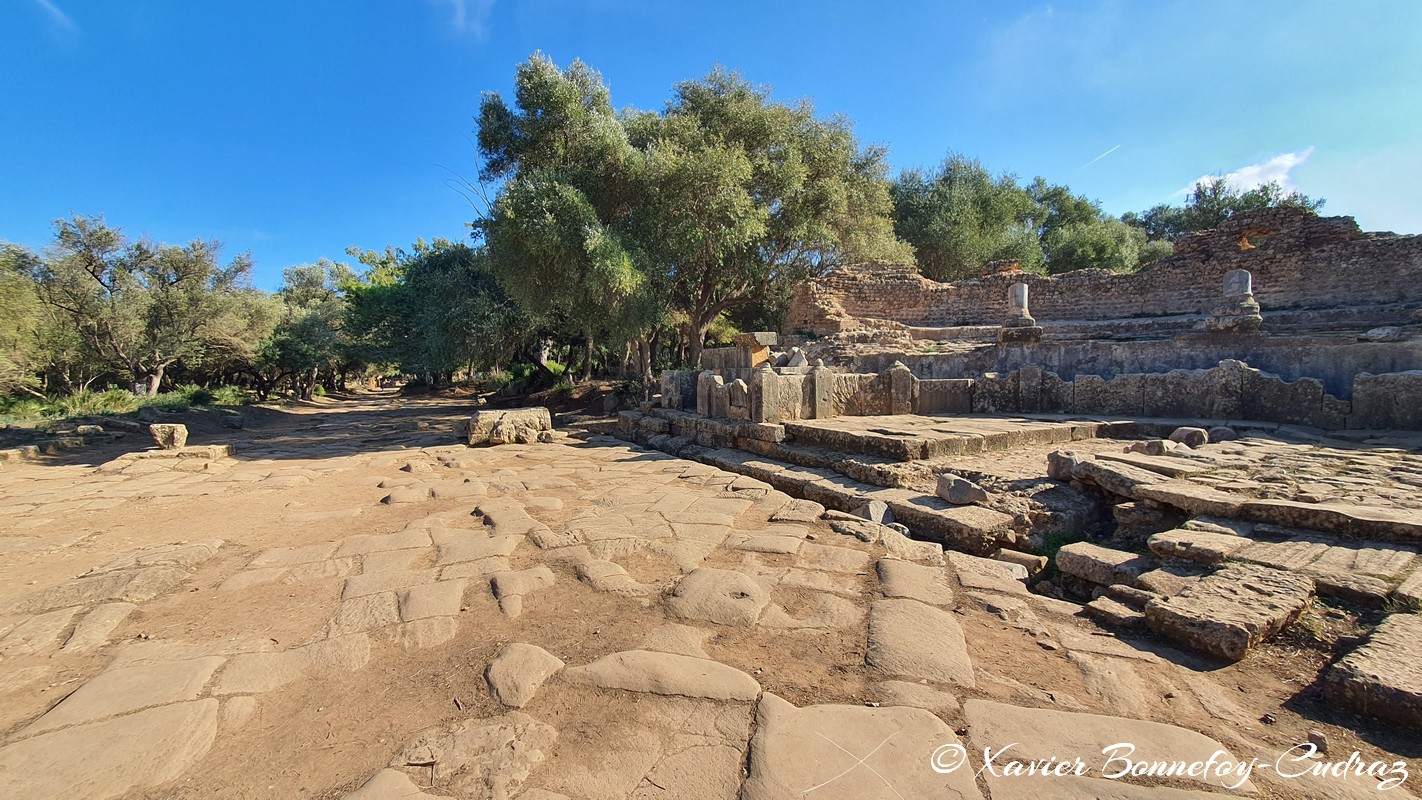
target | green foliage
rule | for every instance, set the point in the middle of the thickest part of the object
(960, 217)
(1100, 244)
(1210, 203)
(169, 402)
(1054, 542)
(230, 396)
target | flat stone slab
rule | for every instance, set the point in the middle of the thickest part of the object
(37, 633)
(1099, 564)
(391, 784)
(440, 599)
(843, 752)
(665, 674)
(111, 758)
(919, 641)
(1168, 466)
(1115, 477)
(1040, 734)
(125, 689)
(518, 670)
(1383, 678)
(988, 575)
(1364, 522)
(919, 582)
(721, 596)
(94, 629)
(1200, 546)
(483, 757)
(1228, 613)
(254, 673)
(1192, 498)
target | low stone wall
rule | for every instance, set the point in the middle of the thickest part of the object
(1231, 390)
(1298, 260)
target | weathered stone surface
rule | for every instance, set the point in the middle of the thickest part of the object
(111, 758)
(1062, 464)
(841, 752)
(94, 629)
(1228, 613)
(169, 436)
(1042, 734)
(518, 670)
(489, 757)
(916, 695)
(1201, 546)
(253, 673)
(1099, 564)
(510, 587)
(1364, 522)
(876, 511)
(720, 596)
(988, 575)
(1115, 477)
(124, 689)
(37, 633)
(440, 599)
(1383, 678)
(915, 640)
(508, 426)
(1190, 437)
(916, 582)
(1192, 498)
(960, 491)
(665, 674)
(134, 586)
(1114, 614)
(391, 784)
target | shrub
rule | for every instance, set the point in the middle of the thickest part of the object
(21, 408)
(194, 394)
(230, 396)
(168, 401)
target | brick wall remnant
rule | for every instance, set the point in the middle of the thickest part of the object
(1297, 259)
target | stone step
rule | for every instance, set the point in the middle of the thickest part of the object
(1383, 678)
(971, 529)
(916, 437)
(1232, 611)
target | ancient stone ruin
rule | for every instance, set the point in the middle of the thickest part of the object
(1225, 439)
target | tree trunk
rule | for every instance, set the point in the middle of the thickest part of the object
(587, 357)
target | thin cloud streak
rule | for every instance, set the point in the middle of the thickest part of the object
(1098, 158)
(57, 15)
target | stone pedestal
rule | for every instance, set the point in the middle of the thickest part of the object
(1237, 312)
(1019, 326)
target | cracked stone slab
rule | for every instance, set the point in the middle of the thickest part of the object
(509, 588)
(665, 674)
(439, 599)
(94, 629)
(371, 583)
(473, 548)
(253, 673)
(479, 757)
(372, 543)
(673, 637)
(915, 640)
(392, 784)
(831, 558)
(1204, 547)
(842, 752)
(518, 670)
(721, 596)
(133, 586)
(1228, 613)
(37, 633)
(108, 759)
(1041, 734)
(1383, 678)
(916, 582)
(608, 576)
(124, 689)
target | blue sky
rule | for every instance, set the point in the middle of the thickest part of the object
(295, 129)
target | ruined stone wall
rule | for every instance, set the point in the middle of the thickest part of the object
(1230, 390)
(1298, 260)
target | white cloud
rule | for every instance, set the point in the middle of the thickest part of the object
(467, 16)
(1275, 170)
(57, 15)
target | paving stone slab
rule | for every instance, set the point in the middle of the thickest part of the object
(375, 582)
(518, 670)
(111, 758)
(665, 674)
(124, 689)
(1230, 612)
(1201, 546)
(1041, 734)
(923, 583)
(439, 599)
(1383, 678)
(724, 597)
(253, 673)
(843, 752)
(37, 633)
(1100, 565)
(488, 757)
(392, 784)
(94, 628)
(919, 641)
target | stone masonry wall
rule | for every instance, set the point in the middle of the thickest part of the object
(1298, 260)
